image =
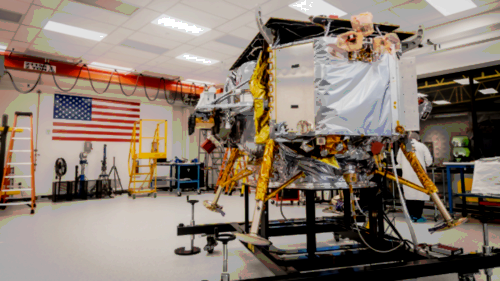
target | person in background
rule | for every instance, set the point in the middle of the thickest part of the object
(415, 199)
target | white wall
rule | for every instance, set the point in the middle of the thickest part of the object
(178, 142)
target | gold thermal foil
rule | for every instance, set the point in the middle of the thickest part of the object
(258, 87)
(284, 185)
(265, 171)
(332, 161)
(421, 173)
(229, 166)
(243, 174)
(403, 181)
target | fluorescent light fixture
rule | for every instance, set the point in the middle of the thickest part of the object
(74, 31)
(196, 59)
(489, 91)
(3, 47)
(422, 95)
(316, 7)
(190, 81)
(180, 25)
(110, 67)
(450, 7)
(464, 81)
(441, 102)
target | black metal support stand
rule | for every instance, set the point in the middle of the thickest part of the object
(194, 250)
(464, 200)
(247, 210)
(310, 223)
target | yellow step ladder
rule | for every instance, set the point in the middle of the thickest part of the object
(12, 170)
(145, 182)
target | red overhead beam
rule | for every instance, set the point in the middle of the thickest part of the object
(16, 62)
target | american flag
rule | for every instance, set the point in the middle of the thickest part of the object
(91, 119)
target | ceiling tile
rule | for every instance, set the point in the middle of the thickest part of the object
(52, 4)
(58, 48)
(189, 14)
(117, 36)
(26, 33)
(233, 41)
(223, 48)
(118, 62)
(351, 6)
(55, 36)
(269, 7)
(162, 5)
(244, 32)
(18, 46)
(141, 18)
(240, 21)
(284, 13)
(15, 6)
(181, 63)
(5, 42)
(179, 50)
(209, 54)
(6, 35)
(37, 16)
(121, 57)
(91, 12)
(100, 49)
(219, 8)
(145, 56)
(378, 7)
(388, 17)
(8, 26)
(247, 4)
(158, 60)
(210, 35)
(77, 21)
(27, 1)
(417, 12)
(166, 33)
(140, 46)
(137, 3)
(88, 58)
(154, 40)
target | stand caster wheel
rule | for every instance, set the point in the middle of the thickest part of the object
(241, 195)
(272, 202)
(337, 237)
(225, 193)
(32, 212)
(129, 194)
(133, 196)
(179, 194)
(199, 191)
(154, 195)
(291, 202)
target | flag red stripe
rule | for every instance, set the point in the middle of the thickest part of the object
(116, 114)
(93, 126)
(115, 108)
(92, 139)
(112, 120)
(90, 132)
(118, 102)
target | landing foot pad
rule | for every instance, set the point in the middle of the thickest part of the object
(252, 239)
(183, 252)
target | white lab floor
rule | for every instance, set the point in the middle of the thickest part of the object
(126, 239)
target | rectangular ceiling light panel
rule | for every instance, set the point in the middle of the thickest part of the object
(489, 91)
(317, 7)
(441, 102)
(3, 47)
(74, 31)
(10, 16)
(180, 25)
(422, 95)
(464, 81)
(110, 67)
(196, 59)
(450, 7)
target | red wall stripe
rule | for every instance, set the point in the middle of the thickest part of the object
(119, 102)
(91, 139)
(112, 120)
(59, 131)
(116, 108)
(93, 126)
(116, 114)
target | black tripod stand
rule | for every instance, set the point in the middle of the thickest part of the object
(114, 171)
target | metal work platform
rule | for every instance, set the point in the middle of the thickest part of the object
(352, 261)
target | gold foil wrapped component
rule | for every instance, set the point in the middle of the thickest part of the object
(403, 181)
(421, 173)
(332, 161)
(265, 171)
(258, 87)
(229, 165)
(332, 142)
(363, 23)
(202, 124)
(350, 179)
(243, 174)
(284, 185)
(350, 41)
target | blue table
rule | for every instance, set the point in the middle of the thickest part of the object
(462, 167)
(178, 176)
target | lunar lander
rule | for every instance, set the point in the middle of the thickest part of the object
(318, 106)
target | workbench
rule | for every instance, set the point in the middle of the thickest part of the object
(461, 166)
